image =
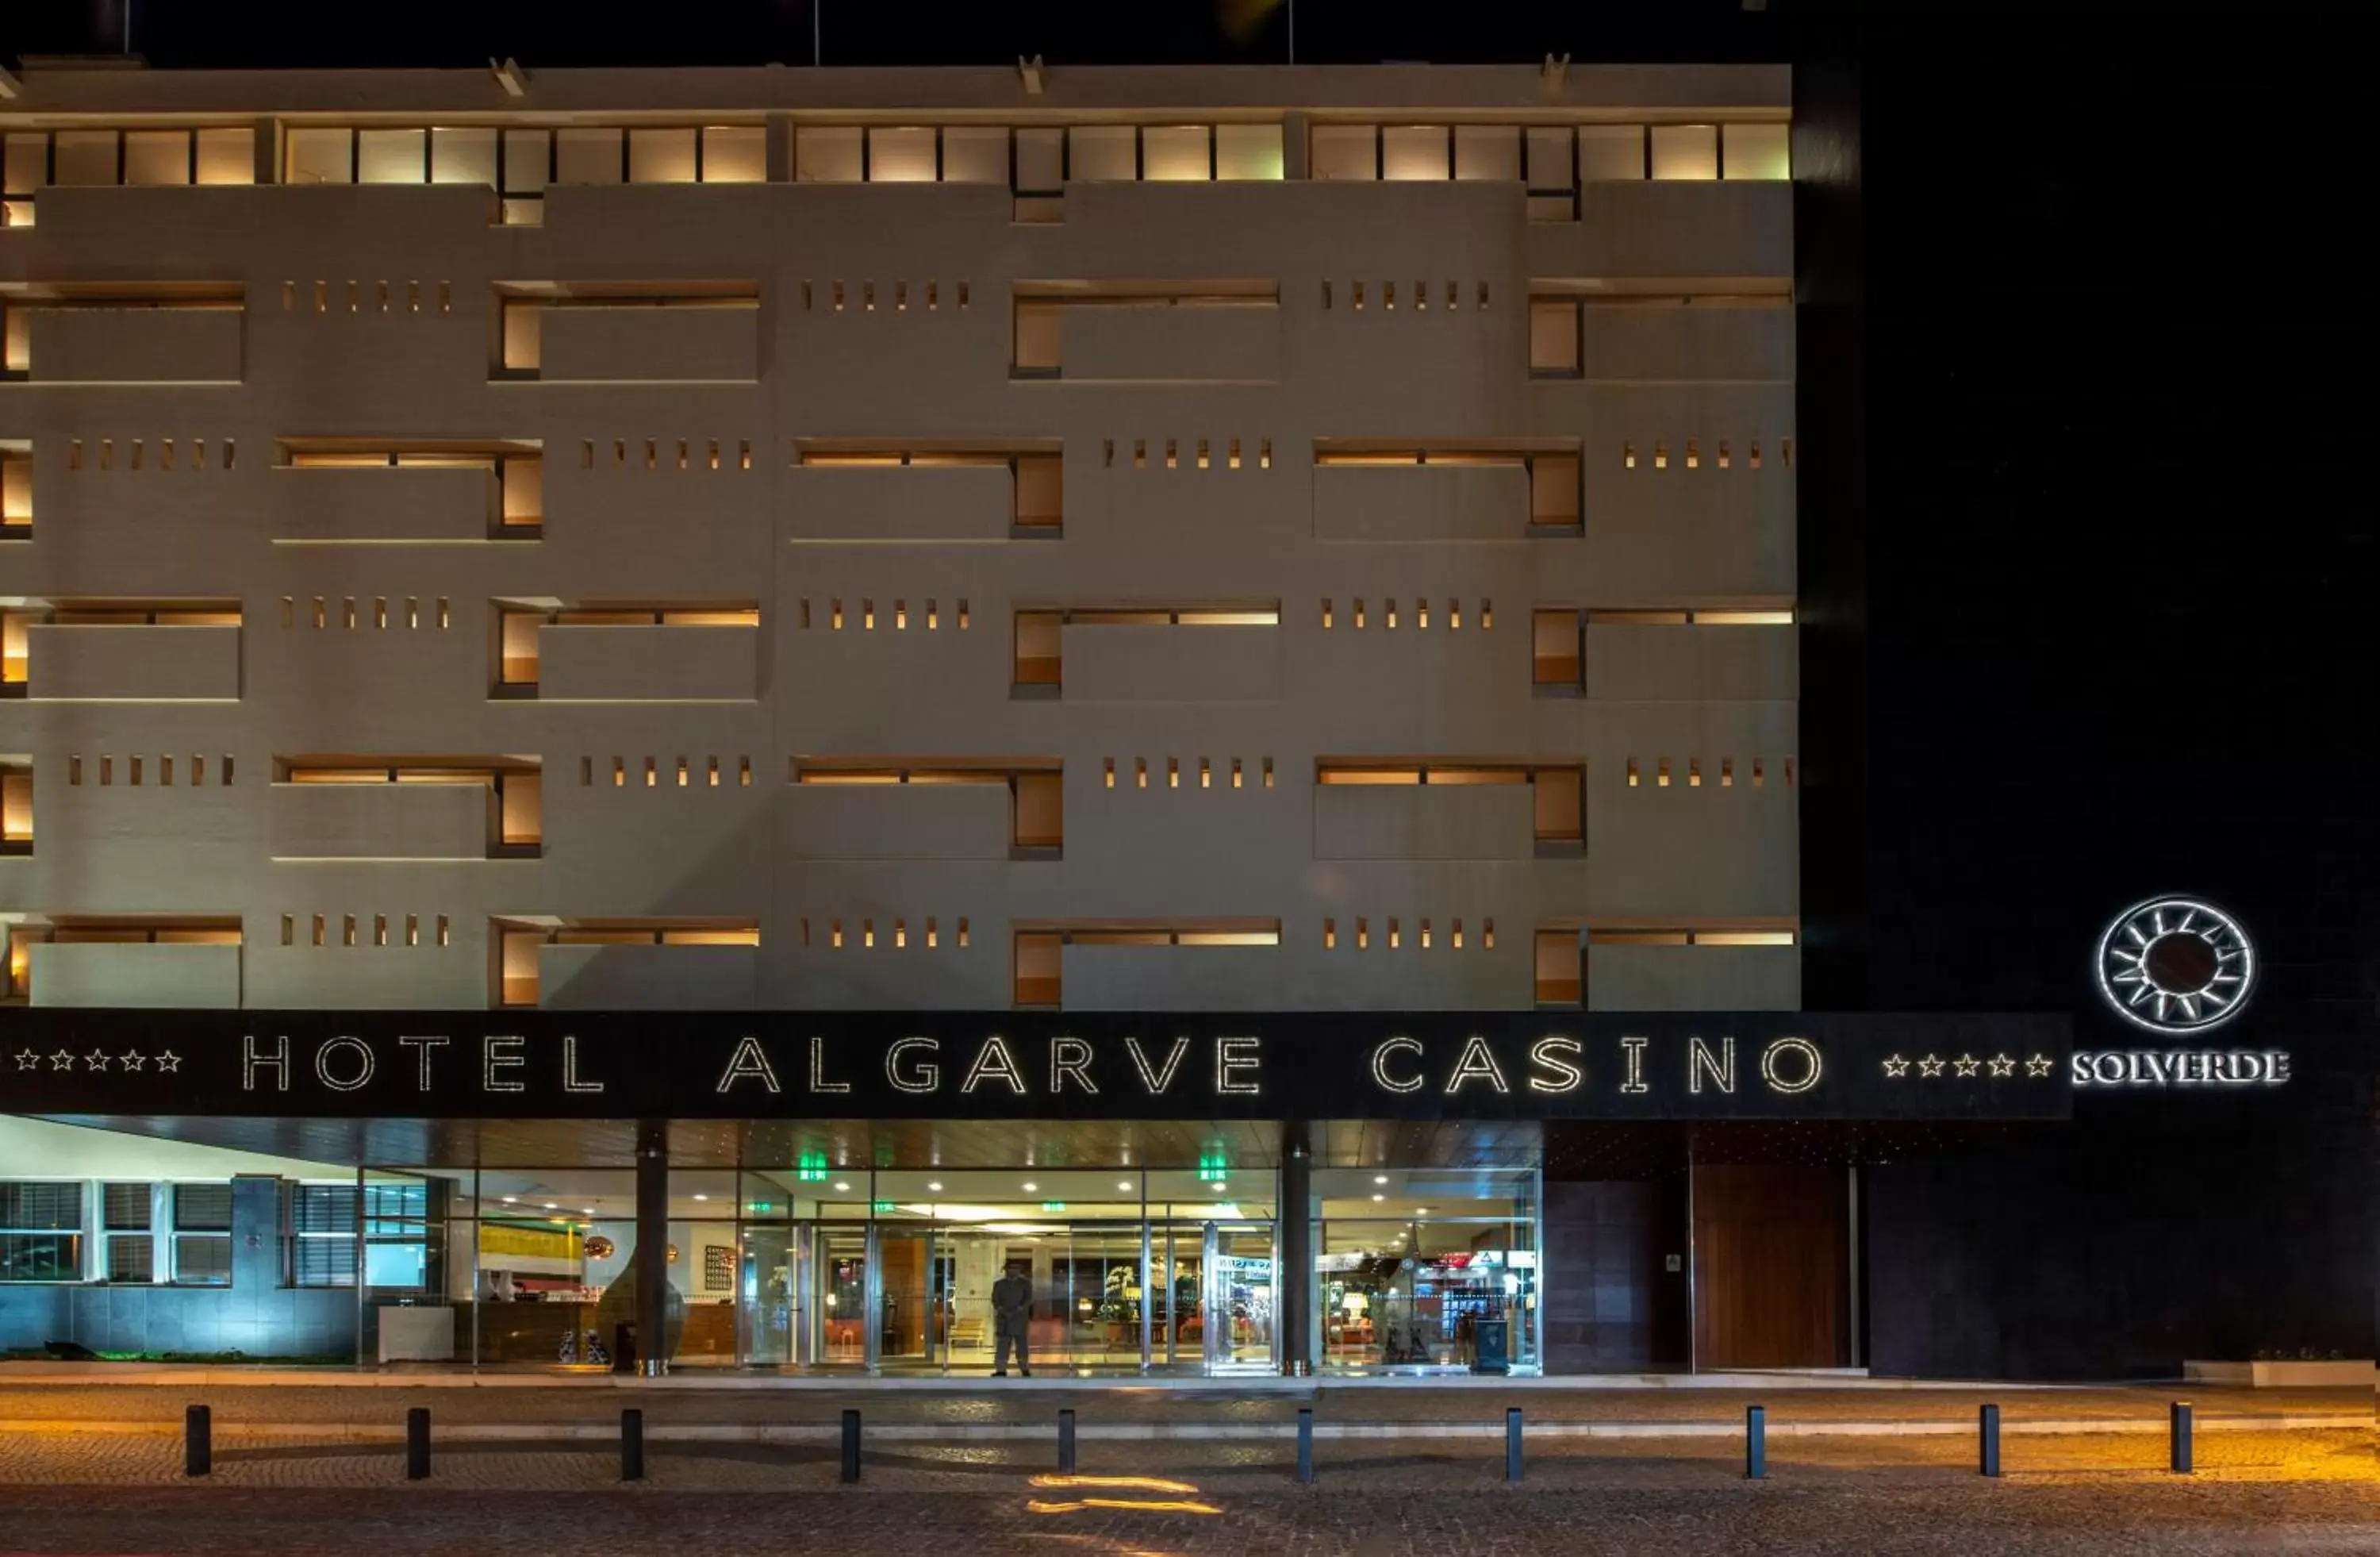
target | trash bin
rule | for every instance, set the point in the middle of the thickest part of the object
(1492, 1347)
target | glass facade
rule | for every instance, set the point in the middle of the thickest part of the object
(1422, 1269)
(888, 1270)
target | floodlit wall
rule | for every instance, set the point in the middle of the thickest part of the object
(1210, 604)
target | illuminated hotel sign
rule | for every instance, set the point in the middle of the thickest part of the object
(2175, 966)
(2182, 1067)
(1038, 1064)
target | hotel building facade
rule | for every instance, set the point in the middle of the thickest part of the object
(716, 704)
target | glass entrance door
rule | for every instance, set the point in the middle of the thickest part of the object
(1239, 1292)
(910, 1289)
(840, 1313)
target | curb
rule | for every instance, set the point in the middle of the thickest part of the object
(62, 1375)
(982, 1432)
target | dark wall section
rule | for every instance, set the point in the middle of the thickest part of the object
(2117, 645)
(1611, 1303)
(1829, 410)
(2150, 1232)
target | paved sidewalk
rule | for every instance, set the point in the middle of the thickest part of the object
(2255, 1492)
(1034, 1406)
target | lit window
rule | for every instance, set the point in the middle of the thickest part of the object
(1685, 151)
(463, 156)
(1554, 337)
(901, 155)
(828, 155)
(319, 156)
(1489, 153)
(587, 156)
(1610, 154)
(734, 154)
(1101, 153)
(1414, 151)
(1174, 153)
(1248, 152)
(661, 156)
(157, 157)
(1762, 152)
(1343, 151)
(391, 156)
(975, 154)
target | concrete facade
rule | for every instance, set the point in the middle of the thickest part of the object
(1337, 478)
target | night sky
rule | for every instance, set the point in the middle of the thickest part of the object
(2120, 577)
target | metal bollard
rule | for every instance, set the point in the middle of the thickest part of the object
(1305, 1445)
(1066, 1442)
(851, 1445)
(632, 1444)
(1988, 1441)
(2182, 1458)
(197, 1442)
(1755, 1443)
(1512, 1443)
(417, 1443)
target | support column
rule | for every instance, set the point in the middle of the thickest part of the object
(653, 1247)
(1294, 1252)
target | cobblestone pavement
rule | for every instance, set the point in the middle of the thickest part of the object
(2297, 1492)
(987, 1402)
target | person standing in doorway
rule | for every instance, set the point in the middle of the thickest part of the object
(1011, 1319)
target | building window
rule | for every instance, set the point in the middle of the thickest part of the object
(1040, 952)
(1040, 329)
(1553, 492)
(516, 809)
(1755, 152)
(127, 1216)
(16, 489)
(1557, 667)
(1561, 968)
(1554, 347)
(320, 1249)
(518, 948)
(41, 1231)
(201, 1235)
(1040, 635)
(395, 1230)
(1039, 958)
(16, 805)
(1348, 153)
(1610, 154)
(1039, 813)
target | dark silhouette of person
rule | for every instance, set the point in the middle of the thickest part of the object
(1012, 1321)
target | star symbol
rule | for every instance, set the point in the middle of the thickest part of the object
(133, 1061)
(2003, 1066)
(96, 1060)
(169, 1060)
(62, 1061)
(1929, 1066)
(27, 1060)
(1896, 1067)
(2037, 1067)
(1968, 1065)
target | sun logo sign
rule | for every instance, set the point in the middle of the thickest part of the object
(2175, 965)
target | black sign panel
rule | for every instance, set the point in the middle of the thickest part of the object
(1036, 1064)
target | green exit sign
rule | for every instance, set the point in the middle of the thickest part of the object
(810, 1167)
(1213, 1166)
(882, 1207)
(1053, 1204)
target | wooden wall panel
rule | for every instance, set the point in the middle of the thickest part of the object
(1771, 1277)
